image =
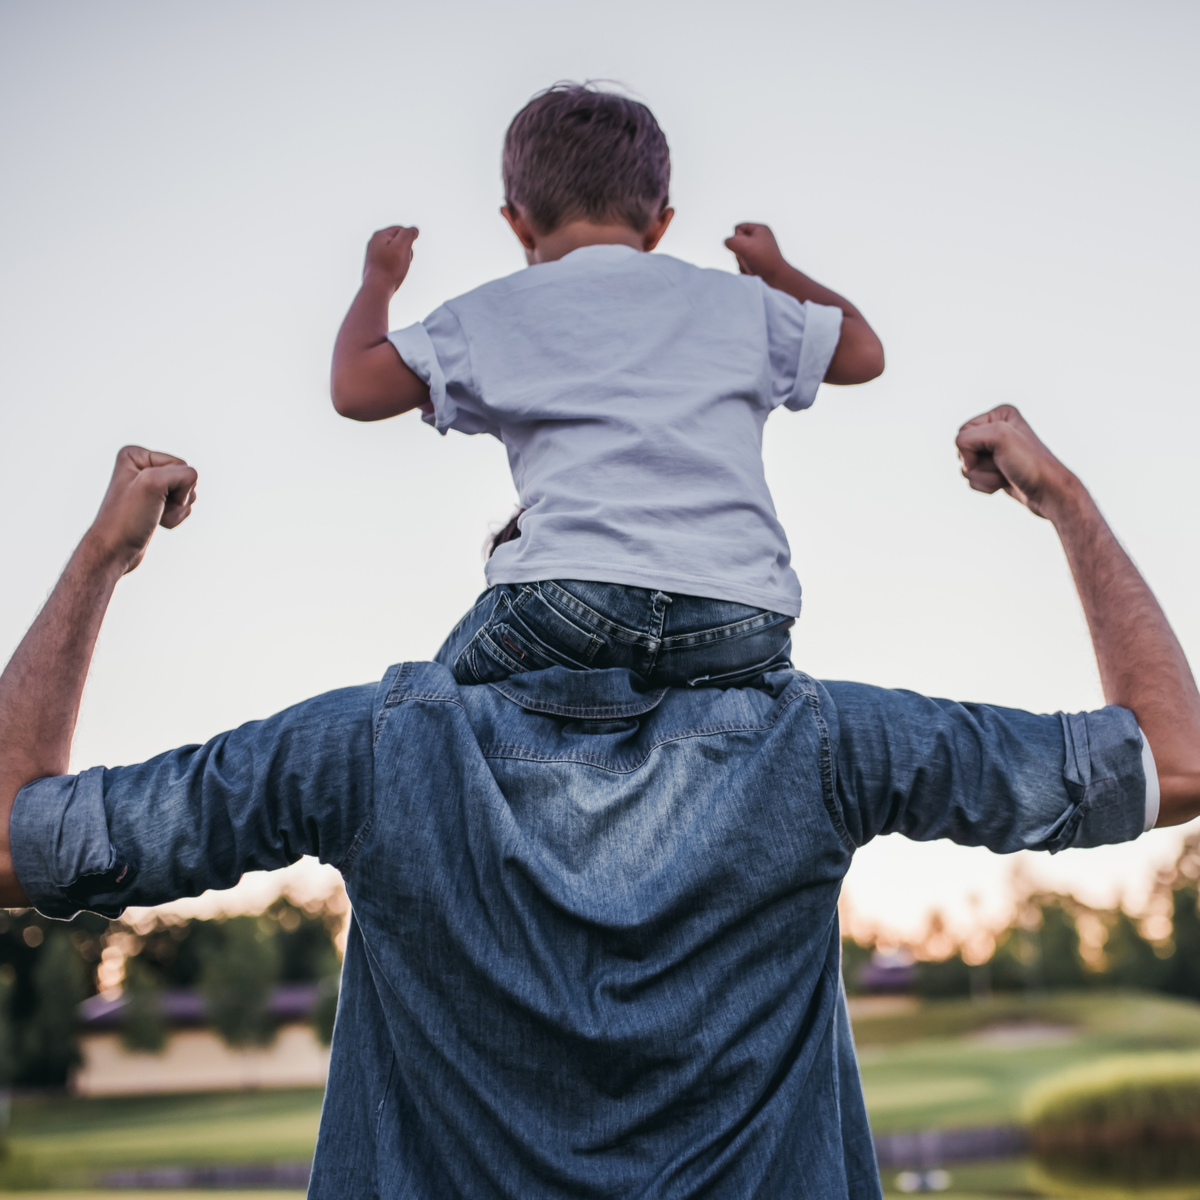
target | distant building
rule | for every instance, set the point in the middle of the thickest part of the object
(889, 973)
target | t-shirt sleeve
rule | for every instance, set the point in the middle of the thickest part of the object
(981, 775)
(437, 350)
(801, 339)
(253, 799)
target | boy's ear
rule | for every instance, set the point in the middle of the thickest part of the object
(658, 227)
(519, 226)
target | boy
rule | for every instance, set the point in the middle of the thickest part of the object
(630, 391)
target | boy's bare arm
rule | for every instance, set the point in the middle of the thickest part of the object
(859, 354)
(370, 381)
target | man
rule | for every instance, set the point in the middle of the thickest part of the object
(595, 948)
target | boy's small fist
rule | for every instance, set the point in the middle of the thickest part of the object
(756, 250)
(390, 252)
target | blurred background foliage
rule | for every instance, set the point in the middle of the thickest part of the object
(1054, 942)
(47, 968)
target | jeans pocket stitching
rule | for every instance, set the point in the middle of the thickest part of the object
(536, 646)
(555, 596)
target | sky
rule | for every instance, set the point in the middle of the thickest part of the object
(1007, 191)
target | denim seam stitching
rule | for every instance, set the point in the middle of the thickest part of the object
(721, 633)
(439, 696)
(828, 792)
(596, 712)
(387, 1095)
(347, 861)
(477, 647)
(397, 690)
(536, 643)
(577, 607)
(523, 753)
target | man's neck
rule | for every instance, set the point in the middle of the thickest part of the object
(576, 234)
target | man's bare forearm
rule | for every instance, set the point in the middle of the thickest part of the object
(1142, 665)
(41, 688)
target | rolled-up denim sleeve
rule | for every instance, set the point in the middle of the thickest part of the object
(255, 798)
(981, 775)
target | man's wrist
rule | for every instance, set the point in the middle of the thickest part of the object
(102, 554)
(1064, 499)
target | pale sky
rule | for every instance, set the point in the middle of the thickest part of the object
(1008, 191)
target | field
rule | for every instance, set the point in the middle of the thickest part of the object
(958, 1063)
(73, 1142)
(940, 1065)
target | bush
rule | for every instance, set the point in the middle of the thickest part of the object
(1131, 1101)
(143, 1023)
(238, 973)
(945, 979)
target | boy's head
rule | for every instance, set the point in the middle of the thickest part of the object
(573, 153)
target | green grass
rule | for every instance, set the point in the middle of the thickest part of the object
(930, 1068)
(71, 1142)
(926, 1068)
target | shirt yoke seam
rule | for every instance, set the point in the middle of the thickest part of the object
(524, 753)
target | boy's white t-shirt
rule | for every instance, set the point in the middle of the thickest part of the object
(630, 391)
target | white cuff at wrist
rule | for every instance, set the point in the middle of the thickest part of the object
(1153, 795)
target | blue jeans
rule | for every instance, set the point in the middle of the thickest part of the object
(669, 640)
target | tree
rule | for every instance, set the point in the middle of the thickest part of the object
(1130, 959)
(238, 973)
(940, 980)
(1060, 965)
(1013, 962)
(143, 1023)
(1183, 972)
(306, 947)
(49, 1043)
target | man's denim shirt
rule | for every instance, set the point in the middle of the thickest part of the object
(595, 945)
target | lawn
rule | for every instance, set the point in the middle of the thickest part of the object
(961, 1063)
(72, 1142)
(941, 1065)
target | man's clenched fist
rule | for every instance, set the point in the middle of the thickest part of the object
(147, 489)
(999, 451)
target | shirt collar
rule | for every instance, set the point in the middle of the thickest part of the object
(595, 695)
(605, 250)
